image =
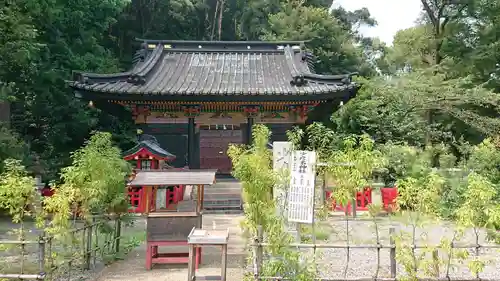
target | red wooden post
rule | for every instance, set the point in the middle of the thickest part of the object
(174, 195)
(153, 199)
(170, 197)
(149, 256)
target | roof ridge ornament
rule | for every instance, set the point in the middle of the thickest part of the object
(136, 79)
(298, 80)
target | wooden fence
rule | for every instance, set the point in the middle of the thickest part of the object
(440, 274)
(39, 256)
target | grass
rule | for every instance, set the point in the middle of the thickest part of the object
(322, 232)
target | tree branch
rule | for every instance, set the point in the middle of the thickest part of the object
(429, 12)
(448, 19)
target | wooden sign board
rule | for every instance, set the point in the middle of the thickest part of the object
(282, 157)
(301, 192)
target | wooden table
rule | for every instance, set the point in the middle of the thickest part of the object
(168, 229)
(199, 238)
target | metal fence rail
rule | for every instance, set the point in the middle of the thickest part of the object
(259, 246)
(62, 257)
(385, 279)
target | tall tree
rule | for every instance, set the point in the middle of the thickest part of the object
(412, 48)
(396, 110)
(332, 45)
(440, 14)
(41, 42)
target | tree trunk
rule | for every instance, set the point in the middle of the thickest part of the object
(221, 13)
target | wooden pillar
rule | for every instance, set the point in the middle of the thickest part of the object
(250, 123)
(251, 112)
(197, 147)
(146, 193)
(191, 111)
(191, 142)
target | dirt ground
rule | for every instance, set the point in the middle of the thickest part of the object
(133, 267)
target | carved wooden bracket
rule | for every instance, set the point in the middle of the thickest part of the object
(302, 110)
(251, 111)
(140, 109)
(191, 110)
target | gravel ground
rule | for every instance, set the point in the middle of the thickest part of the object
(331, 263)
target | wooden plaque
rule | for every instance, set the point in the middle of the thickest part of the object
(171, 226)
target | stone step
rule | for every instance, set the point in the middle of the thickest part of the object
(223, 201)
(222, 205)
(227, 211)
(223, 191)
(222, 198)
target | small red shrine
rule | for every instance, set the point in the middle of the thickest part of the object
(171, 227)
(150, 156)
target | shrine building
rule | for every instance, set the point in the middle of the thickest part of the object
(197, 97)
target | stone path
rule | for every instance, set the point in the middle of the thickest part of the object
(133, 267)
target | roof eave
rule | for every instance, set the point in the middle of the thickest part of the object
(203, 98)
(220, 43)
(134, 151)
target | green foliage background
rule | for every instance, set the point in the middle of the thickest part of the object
(42, 42)
(448, 96)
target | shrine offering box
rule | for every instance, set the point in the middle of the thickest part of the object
(171, 226)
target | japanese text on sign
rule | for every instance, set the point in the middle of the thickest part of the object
(301, 192)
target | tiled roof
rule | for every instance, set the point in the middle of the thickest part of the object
(152, 147)
(151, 144)
(204, 69)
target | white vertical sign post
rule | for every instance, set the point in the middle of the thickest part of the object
(282, 158)
(301, 192)
(300, 203)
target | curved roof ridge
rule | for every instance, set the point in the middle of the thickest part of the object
(289, 54)
(221, 43)
(339, 78)
(91, 78)
(140, 72)
(137, 75)
(300, 77)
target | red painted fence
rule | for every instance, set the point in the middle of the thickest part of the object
(389, 196)
(364, 198)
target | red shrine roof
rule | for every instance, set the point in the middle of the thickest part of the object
(206, 70)
(174, 177)
(148, 146)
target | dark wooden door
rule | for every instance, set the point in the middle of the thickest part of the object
(213, 149)
(177, 145)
